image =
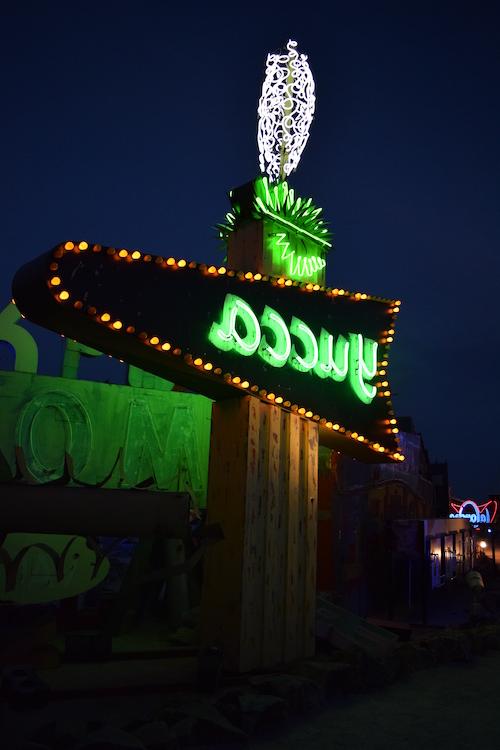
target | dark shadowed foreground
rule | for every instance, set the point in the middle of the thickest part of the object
(444, 707)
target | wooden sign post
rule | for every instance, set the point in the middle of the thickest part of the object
(259, 587)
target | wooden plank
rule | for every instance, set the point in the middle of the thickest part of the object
(292, 448)
(252, 604)
(311, 539)
(301, 525)
(274, 582)
(222, 577)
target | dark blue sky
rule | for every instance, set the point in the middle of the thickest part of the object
(127, 123)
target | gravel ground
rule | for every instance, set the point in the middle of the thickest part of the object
(450, 707)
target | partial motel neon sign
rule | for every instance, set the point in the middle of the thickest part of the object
(325, 357)
(474, 512)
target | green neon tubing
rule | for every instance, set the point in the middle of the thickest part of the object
(363, 366)
(277, 355)
(308, 340)
(279, 218)
(224, 335)
(333, 359)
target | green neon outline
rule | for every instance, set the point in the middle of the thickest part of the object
(277, 355)
(281, 220)
(224, 335)
(333, 359)
(361, 350)
(303, 364)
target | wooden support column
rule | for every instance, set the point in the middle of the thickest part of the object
(258, 600)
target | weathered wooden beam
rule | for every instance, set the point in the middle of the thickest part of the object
(49, 509)
(259, 582)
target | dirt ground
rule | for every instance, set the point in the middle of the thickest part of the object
(450, 707)
(447, 708)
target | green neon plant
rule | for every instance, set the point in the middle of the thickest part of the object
(279, 202)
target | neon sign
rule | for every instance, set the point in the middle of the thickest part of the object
(474, 512)
(357, 355)
(319, 352)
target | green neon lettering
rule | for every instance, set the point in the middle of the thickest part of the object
(276, 355)
(225, 335)
(310, 346)
(363, 366)
(328, 356)
(333, 359)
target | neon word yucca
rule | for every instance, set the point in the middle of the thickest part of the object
(295, 345)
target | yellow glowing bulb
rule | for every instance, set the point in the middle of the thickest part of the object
(381, 450)
(302, 410)
(341, 291)
(392, 421)
(309, 413)
(212, 269)
(245, 384)
(258, 276)
(198, 361)
(271, 396)
(391, 331)
(69, 246)
(316, 287)
(364, 296)
(117, 324)
(170, 261)
(389, 339)
(395, 309)
(395, 430)
(64, 295)
(221, 270)
(105, 317)
(123, 253)
(208, 366)
(361, 438)
(398, 302)
(288, 282)
(354, 435)
(237, 380)
(154, 340)
(279, 399)
(336, 426)
(249, 275)
(55, 281)
(83, 245)
(136, 255)
(281, 281)
(165, 346)
(385, 383)
(309, 287)
(387, 393)
(181, 263)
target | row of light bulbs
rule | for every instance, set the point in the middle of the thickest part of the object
(63, 295)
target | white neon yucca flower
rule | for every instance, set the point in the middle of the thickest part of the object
(286, 110)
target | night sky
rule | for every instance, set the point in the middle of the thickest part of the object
(127, 123)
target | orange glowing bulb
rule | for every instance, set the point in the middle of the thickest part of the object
(154, 340)
(55, 281)
(136, 255)
(105, 317)
(123, 253)
(198, 361)
(64, 295)
(117, 324)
